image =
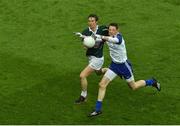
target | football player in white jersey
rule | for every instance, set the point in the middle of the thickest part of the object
(120, 66)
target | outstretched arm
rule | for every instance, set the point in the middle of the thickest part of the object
(117, 39)
(111, 39)
(79, 34)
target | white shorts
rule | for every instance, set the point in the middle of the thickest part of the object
(111, 75)
(96, 63)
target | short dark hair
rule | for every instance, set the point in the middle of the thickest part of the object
(114, 24)
(94, 16)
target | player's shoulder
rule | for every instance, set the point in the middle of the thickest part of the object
(85, 31)
(103, 27)
(119, 35)
(103, 30)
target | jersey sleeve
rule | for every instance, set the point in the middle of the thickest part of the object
(116, 40)
(119, 37)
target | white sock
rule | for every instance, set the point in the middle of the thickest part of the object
(84, 93)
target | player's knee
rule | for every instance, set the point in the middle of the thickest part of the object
(102, 85)
(133, 87)
(104, 70)
(82, 75)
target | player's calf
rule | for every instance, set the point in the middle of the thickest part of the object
(136, 85)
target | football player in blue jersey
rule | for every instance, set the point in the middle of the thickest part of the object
(120, 66)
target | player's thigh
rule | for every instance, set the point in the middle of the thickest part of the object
(86, 72)
(110, 74)
(126, 72)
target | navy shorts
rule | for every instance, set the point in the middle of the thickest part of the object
(122, 69)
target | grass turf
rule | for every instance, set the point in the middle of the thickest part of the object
(40, 61)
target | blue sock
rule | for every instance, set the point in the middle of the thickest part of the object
(149, 82)
(98, 105)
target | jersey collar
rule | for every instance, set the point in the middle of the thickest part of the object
(95, 30)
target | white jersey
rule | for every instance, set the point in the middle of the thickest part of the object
(117, 48)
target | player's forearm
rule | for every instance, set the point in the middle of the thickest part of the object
(110, 39)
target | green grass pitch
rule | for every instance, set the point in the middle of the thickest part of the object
(40, 61)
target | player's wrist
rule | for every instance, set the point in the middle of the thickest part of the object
(105, 37)
(102, 37)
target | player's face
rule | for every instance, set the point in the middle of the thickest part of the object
(92, 22)
(112, 30)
